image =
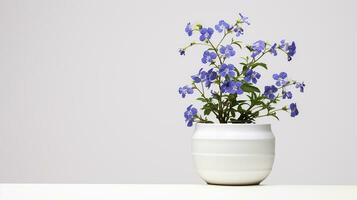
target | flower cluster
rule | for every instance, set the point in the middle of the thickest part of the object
(239, 31)
(252, 76)
(294, 110)
(208, 57)
(221, 26)
(300, 86)
(227, 70)
(289, 49)
(232, 87)
(227, 51)
(206, 77)
(189, 115)
(269, 91)
(258, 47)
(287, 94)
(230, 92)
(280, 78)
(206, 33)
(188, 29)
(185, 90)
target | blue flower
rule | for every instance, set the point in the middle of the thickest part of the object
(291, 51)
(206, 33)
(239, 31)
(280, 78)
(208, 56)
(222, 25)
(225, 70)
(283, 44)
(294, 111)
(189, 114)
(272, 50)
(182, 52)
(258, 47)
(199, 77)
(244, 19)
(252, 76)
(269, 92)
(203, 76)
(188, 29)
(232, 87)
(301, 86)
(227, 51)
(235, 88)
(210, 77)
(225, 86)
(287, 94)
(185, 90)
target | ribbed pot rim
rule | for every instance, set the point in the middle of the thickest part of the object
(231, 124)
(232, 131)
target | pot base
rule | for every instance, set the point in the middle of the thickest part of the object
(219, 184)
(237, 178)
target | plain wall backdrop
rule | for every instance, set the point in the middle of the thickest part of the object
(88, 89)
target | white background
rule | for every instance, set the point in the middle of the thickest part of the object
(88, 89)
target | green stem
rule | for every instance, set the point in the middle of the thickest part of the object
(224, 36)
(220, 107)
(203, 89)
(270, 113)
(203, 95)
(194, 43)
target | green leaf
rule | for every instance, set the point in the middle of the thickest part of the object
(259, 64)
(254, 96)
(237, 43)
(232, 97)
(249, 88)
(255, 114)
(240, 109)
(207, 112)
(276, 117)
(233, 113)
(236, 70)
(245, 68)
(201, 99)
(249, 48)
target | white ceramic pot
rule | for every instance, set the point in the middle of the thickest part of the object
(233, 154)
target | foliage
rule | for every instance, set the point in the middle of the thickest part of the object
(229, 91)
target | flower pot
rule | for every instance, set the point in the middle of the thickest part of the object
(233, 154)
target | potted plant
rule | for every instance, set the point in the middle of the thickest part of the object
(229, 148)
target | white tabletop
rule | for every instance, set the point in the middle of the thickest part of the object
(173, 192)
